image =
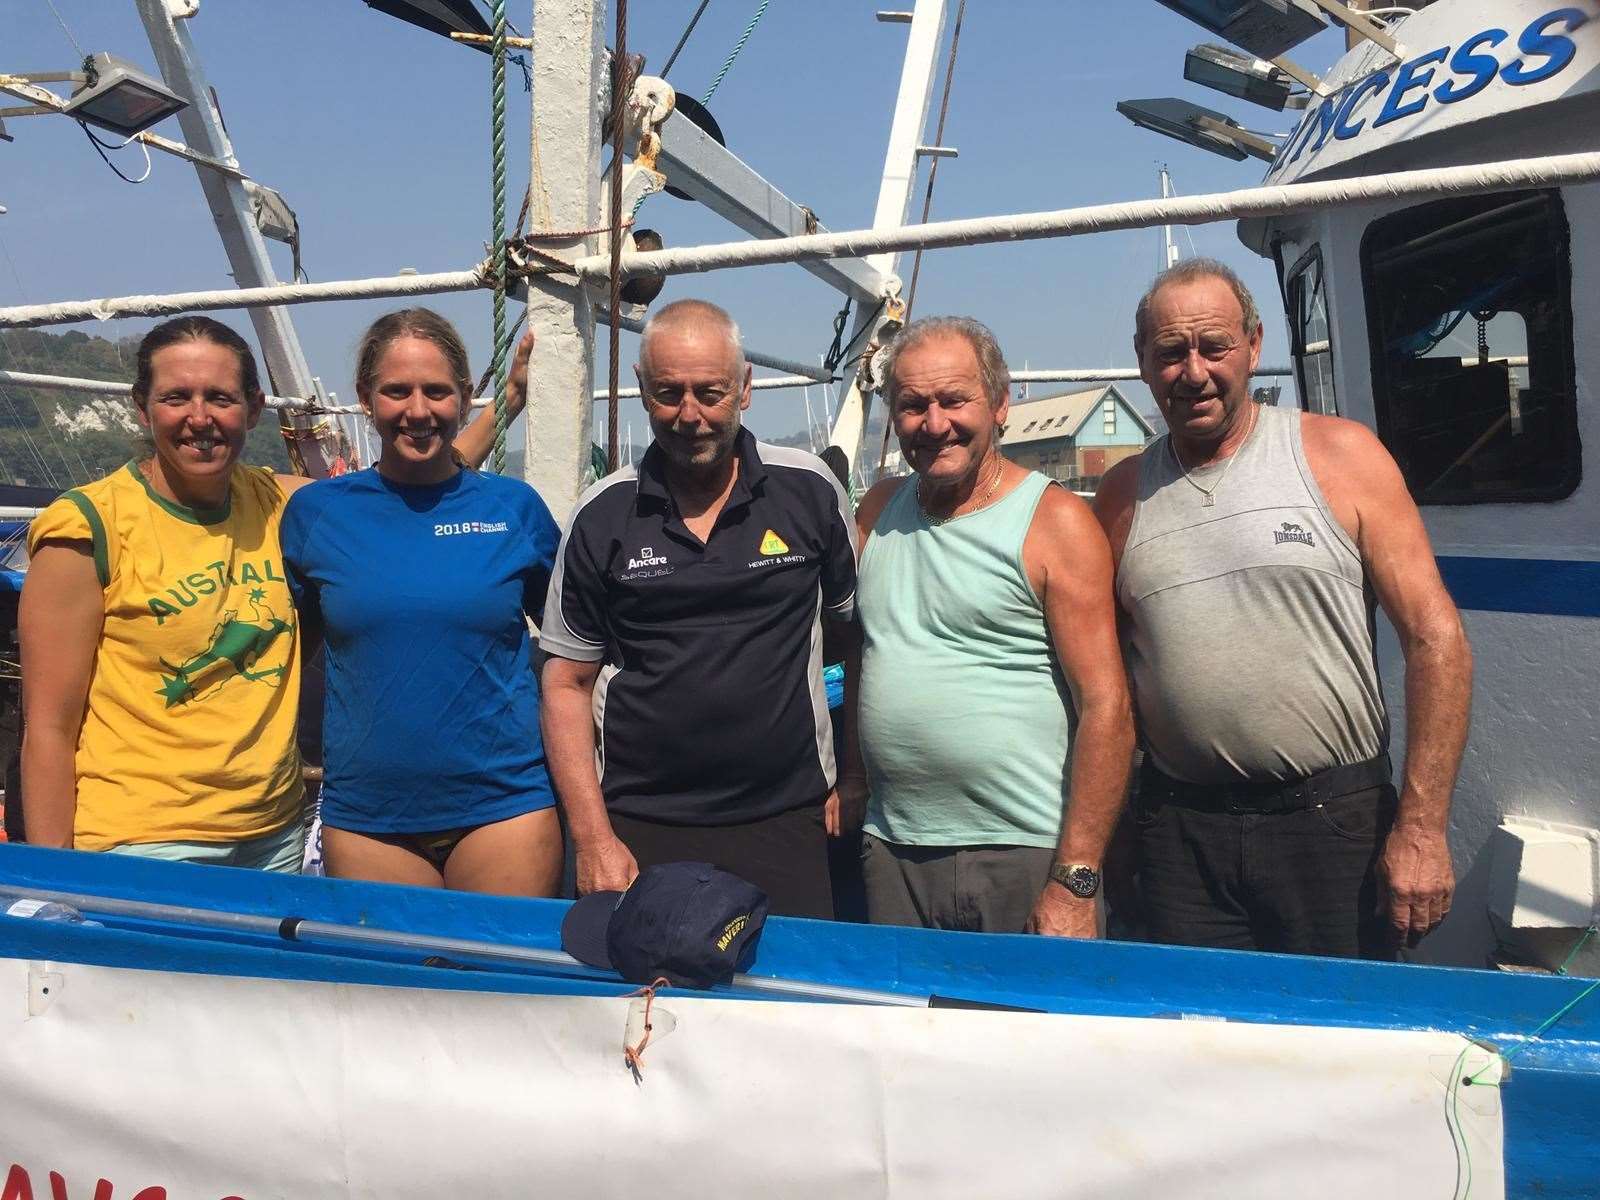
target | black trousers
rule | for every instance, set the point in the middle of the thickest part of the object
(1296, 882)
(786, 856)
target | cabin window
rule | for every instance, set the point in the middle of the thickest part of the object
(1312, 345)
(1469, 311)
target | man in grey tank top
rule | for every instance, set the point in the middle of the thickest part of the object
(985, 605)
(1249, 542)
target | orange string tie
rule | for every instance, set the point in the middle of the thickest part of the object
(634, 1055)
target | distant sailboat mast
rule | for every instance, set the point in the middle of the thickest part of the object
(1169, 248)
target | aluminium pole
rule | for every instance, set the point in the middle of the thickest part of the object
(894, 201)
(568, 81)
(234, 216)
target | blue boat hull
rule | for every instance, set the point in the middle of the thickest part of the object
(1550, 1098)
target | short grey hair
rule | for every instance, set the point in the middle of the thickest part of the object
(1191, 270)
(993, 373)
(689, 313)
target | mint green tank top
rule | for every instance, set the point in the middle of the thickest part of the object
(964, 712)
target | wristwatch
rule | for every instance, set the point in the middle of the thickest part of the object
(1080, 879)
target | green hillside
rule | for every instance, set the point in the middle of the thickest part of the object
(54, 438)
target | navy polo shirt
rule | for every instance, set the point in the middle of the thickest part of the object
(710, 705)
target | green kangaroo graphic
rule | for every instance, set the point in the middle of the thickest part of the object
(235, 647)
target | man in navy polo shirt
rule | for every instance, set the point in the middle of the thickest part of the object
(684, 713)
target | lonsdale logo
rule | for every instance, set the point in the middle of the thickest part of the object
(772, 544)
(1292, 533)
(234, 649)
(732, 931)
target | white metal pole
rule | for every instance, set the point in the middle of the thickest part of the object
(894, 201)
(910, 117)
(568, 80)
(1272, 200)
(1475, 179)
(1169, 248)
(230, 207)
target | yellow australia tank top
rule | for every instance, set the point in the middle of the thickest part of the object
(189, 728)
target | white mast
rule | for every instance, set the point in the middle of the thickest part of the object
(1169, 248)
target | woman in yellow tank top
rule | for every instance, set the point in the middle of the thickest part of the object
(160, 647)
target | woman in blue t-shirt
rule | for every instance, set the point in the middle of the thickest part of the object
(421, 574)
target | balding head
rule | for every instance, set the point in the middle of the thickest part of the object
(695, 384)
(1191, 270)
(696, 317)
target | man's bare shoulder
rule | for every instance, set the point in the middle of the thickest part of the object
(1061, 510)
(1118, 487)
(1341, 442)
(874, 502)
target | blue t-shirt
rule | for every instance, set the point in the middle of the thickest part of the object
(432, 710)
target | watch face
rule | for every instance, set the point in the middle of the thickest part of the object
(1081, 880)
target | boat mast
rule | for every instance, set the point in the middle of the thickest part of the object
(1169, 248)
(894, 205)
(234, 215)
(569, 76)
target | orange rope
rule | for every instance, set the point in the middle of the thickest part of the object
(635, 1054)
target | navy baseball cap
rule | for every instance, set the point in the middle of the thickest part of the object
(687, 922)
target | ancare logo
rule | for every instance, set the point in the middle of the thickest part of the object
(647, 558)
(1292, 533)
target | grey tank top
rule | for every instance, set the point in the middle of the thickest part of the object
(1249, 640)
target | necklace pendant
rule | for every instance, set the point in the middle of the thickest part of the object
(1208, 501)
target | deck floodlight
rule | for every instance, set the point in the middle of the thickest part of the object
(1178, 119)
(1257, 145)
(119, 97)
(1266, 28)
(1236, 74)
(443, 17)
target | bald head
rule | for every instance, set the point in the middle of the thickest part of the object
(695, 317)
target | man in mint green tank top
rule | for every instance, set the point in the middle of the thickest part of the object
(992, 712)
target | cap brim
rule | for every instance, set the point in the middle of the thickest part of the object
(583, 929)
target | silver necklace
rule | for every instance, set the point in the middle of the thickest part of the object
(999, 469)
(1208, 496)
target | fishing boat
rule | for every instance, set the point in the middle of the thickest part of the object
(195, 1032)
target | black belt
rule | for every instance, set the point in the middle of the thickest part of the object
(1156, 788)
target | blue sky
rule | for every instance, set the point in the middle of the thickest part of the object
(377, 134)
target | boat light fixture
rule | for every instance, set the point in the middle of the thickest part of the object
(443, 17)
(119, 97)
(1179, 119)
(1257, 145)
(1266, 28)
(1240, 75)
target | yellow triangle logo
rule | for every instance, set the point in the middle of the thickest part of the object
(773, 544)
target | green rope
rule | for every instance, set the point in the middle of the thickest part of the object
(738, 46)
(1550, 1021)
(1452, 1106)
(497, 50)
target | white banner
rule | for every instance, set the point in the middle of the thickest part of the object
(136, 1085)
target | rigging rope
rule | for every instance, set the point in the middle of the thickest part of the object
(61, 21)
(678, 49)
(621, 82)
(497, 52)
(734, 53)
